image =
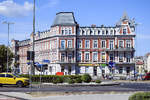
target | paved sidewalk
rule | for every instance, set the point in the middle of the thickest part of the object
(24, 96)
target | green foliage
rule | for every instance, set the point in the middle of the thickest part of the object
(140, 96)
(98, 81)
(70, 81)
(78, 80)
(52, 78)
(86, 78)
(3, 58)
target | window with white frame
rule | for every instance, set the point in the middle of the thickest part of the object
(62, 31)
(128, 57)
(111, 44)
(62, 44)
(124, 31)
(62, 57)
(99, 32)
(69, 43)
(120, 57)
(95, 56)
(95, 43)
(111, 32)
(111, 57)
(103, 57)
(87, 43)
(79, 44)
(83, 32)
(87, 56)
(66, 31)
(103, 44)
(70, 31)
(79, 56)
(121, 44)
(128, 43)
(69, 57)
(103, 32)
(106, 32)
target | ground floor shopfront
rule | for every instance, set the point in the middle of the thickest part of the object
(97, 70)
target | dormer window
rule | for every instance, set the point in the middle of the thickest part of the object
(98, 32)
(106, 32)
(103, 32)
(124, 31)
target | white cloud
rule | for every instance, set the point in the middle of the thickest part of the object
(11, 9)
(143, 36)
(51, 3)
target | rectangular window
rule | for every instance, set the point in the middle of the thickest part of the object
(69, 44)
(111, 32)
(128, 44)
(103, 57)
(121, 44)
(78, 56)
(70, 32)
(103, 44)
(62, 57)
(87, 44)
(111, 57)
(69, 57)
(95, 57)
(124, 31)
(62, 32)
(120, 57)
(66, 31)
(79, 44)
(103, 32)
(95, 43)
(120, 70)
(128, 57)
(62, 44)
(111, 44)
(87, 56)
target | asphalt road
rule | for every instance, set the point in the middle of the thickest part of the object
(123, 87)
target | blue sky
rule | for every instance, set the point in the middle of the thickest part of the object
(86, 12)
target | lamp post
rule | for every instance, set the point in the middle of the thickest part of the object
(8, 23)
(32, 65)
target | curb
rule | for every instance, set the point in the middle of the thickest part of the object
(77, 84)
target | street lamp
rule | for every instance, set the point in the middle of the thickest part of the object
(8, 23)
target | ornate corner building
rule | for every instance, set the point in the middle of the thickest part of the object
(75, 49)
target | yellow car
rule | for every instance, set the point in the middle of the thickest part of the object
(11, 79)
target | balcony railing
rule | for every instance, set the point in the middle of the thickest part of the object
(121, 49)
(66, 49)
(63, 62)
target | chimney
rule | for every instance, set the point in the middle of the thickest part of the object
(93, 25)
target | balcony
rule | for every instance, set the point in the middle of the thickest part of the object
(66, 49)
(121, 49)
(66, 62)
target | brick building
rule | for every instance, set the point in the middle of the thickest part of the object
(75, 49)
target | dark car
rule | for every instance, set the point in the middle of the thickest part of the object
(146, 77)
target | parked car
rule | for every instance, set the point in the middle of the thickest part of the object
(146, 77)
(11, 79)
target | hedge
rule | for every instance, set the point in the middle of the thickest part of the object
(54, 78)
(140, 96)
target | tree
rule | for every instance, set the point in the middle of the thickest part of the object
(3, 58)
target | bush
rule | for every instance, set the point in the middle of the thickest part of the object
(140, 96)
(78, 80)
(98, 81)
(70, 81)
(86, 78)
